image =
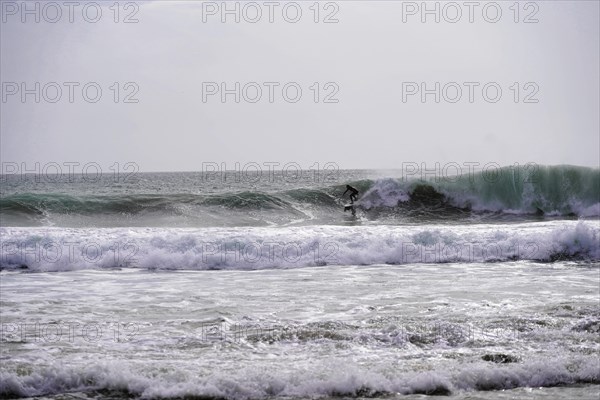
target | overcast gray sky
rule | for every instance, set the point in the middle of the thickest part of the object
(374, 61)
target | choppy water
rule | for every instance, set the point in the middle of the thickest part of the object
(174, 286)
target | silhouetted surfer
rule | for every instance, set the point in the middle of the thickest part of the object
(353, 196)
(353, 193)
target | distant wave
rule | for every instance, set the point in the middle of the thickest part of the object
(550, 191)
(58, 249)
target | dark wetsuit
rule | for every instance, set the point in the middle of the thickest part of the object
(353, 193)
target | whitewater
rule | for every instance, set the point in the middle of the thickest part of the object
(229, 286)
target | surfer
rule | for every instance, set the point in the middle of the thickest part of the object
(353, 193)
(353, 197)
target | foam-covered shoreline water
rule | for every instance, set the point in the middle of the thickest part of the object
(324, 379)
(56, 249)
(359, 332)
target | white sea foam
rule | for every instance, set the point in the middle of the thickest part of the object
(334, 378)
(56, 249)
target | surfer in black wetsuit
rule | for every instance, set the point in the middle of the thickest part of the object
(353, 197)
(353, 193)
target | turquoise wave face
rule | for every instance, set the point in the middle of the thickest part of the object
(517, 193)
(543, 190)
(560, 190)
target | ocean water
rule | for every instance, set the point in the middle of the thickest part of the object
(246, 285)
